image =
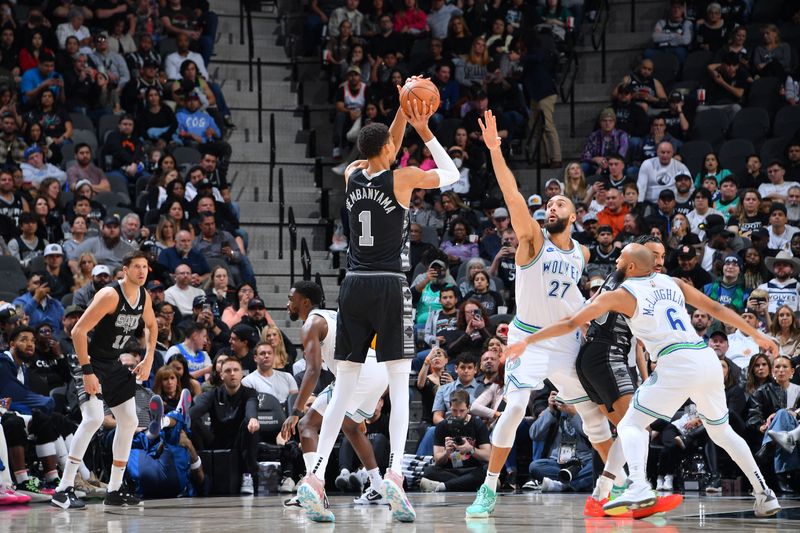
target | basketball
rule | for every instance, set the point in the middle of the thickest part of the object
(421, 90)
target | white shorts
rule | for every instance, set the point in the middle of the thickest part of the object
(536, 364)
(687, 372)
(372, 383)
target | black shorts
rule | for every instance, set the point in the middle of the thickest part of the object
(373, 303)
(603, 371)
(117, 383)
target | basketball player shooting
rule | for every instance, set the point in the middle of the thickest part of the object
(114, 316)
(374, 297)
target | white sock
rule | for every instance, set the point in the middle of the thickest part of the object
(440, 487)
(398, 418)
(491, 480)
(68, 478)
(308, 459)
(723, 436)
(634, 440)
(115, 480)
(615, 465)
(374, 478)
(344, 472)
(21, 476)
(84, 472)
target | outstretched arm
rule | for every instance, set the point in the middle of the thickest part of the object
(310, 334)
(618, 300)
(700, 301)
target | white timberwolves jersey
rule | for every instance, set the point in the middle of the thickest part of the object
(661, 321)
(547, 291)
(329, 343)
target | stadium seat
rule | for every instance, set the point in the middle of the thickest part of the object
(693, 153)
(106, 124)
(710, 125)
(36, 264)
(687, 88)
(665, 67)
(108, 199)
(186, 154)
(66, 300)
(751, 123)
(67, 153)
(119, 185)
(119, 211)
(85, 136)
(430, 235)
(694, 69)
(764, 93)
(774, 148)
(733, 155)
(787, 122)
(81, 122)
(167, 46)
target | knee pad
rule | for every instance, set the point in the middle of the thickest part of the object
(14, 429)
(505, 432)
(43, 428)
(125, 414)
(595, 424)
(92, 414)
(62, 424)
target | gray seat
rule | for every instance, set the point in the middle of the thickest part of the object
(13, 279)
(430, 235)
(665, 67)
(774, 148)
(764, 94)
(108, 199)
(787, 122)
(694, 68)
(106, 124)
(751, 123)
(733, 155)
(186, 154)
(710, 126)
(119, 185)
(81, 122)
(693, 153)
(85, 136)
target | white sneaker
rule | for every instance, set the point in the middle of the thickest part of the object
(343, 480)
(551, 485)
(637, 496)
(371, 497)
(292, 503)
(660, 483)
(247, 485)
(532, 485)
(287, 486)
(667, 483)
(783, 439)
(602, 488)
(766, 504)
(428, 485)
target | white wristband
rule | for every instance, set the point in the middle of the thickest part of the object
(446, 169)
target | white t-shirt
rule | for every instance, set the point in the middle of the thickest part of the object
(655, 177)
(782, 241)
(279, 384)
(741, 348)
(182, 299)
(769, 189)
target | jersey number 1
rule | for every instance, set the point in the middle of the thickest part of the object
(366, 238)
(119, 342)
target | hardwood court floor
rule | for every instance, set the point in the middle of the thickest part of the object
(436, 513)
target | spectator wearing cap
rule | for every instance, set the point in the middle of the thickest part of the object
(350, 101)
(125, 149)
(664, 209)
(257, 316)
(702, 209)
(729, 289)
(27, 245)
(101, 276)
(606, 140)
(674, 33)
(195, 125)
(658, 173)
(783, 289)
(684, 194)
(71, 315)
(730, 82)
(675, 117)
(603, 253)
(728, 202)
(718, 244)
(84, 170)
(110, 62)
(39, 306)
(491, 242)
(587, 232)
(644, 88)
(134, 96)
(243, 340)
(534, 203)
(658, 133)
(182, 294)
(778, 187)
(631, 118)
(12, 146)
(206, 312)
(41, 77)
(196, 338)
(718, 341)
(689, 268)
(183, 253)
(35, 169)
(59, 276)
(552, 187)
(613, 214)
(741, 347)
(156, 290)
(780, 233)
(108, 248)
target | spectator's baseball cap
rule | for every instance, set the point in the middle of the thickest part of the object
(111, 220)
(733, 259)
(690, 239)
(193, 96)
(597, 282)
(354, 68)
(534, 200)
(199, 301)
(8, 315)
(554, 180)
(666, 195)
(607, 113)
(500, 212)
(81, 183)
(46, 57)
(686, 252)
(749, 311)
(149, 62)
(256, 303)
(246, 333)
(202, 184)
(154, 285)
(683, 177)
(540, 215)
(73, 310)
(715, 225)
(589, 217)
(53, 249)
(30, 151)
(436, 263)
(777, 207)
(605, 228)
(101, 269)
(718, 333)
(625, 88)
(760, 233)
(676, 96)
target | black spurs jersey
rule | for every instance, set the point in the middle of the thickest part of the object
(114, 330)
(12, 209)
(378, 224)
(610, 328)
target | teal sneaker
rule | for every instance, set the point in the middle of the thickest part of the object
(483, 506)
(616, 490)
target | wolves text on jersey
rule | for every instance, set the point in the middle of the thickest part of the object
(562, 268)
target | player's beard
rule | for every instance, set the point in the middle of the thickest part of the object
(558, 226)
(619, 276)
(294, 316)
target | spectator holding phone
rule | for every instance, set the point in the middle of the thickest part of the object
(40, 307)
(426, 286)
(431, 376)
(472, 323)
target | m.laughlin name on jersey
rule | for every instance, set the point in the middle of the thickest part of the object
(370, 194)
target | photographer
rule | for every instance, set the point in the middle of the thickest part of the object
(569, 465)
(460, 451)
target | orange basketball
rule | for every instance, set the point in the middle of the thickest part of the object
(421, 90)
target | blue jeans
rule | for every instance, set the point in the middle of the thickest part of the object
(222, 105)
(784, 462)
(542, 468)
(210, 23)
(425, 446)
(522, 436)
(416, 364)
(678, 51)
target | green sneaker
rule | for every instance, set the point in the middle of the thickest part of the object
(617, 490)
(483, 506)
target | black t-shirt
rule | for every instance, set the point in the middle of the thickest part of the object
(718, 96)
(474, 430)
(673, 121)
(751, 223)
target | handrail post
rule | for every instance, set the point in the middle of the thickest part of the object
(603, 56)
(633, 15)
(260, 105)
(281, 208)
(292, 243)
(241, 22)
(318, 281)
(540, 120)
(572, 111)
(272, 154)
(305, 259)
(250, 46)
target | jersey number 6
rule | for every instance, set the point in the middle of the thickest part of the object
(675, 323)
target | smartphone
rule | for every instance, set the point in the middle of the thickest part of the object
(206, 308)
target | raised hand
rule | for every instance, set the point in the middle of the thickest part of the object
(420, 113)
(489, 130)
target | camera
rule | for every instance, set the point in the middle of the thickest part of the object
(569, 471)
(455, 429)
